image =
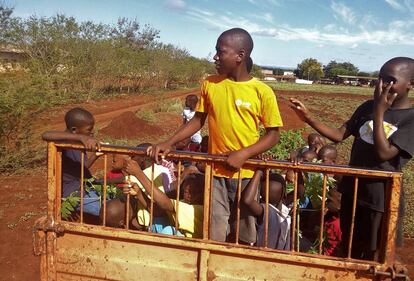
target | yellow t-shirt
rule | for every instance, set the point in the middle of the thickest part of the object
(235, 110)
(190, 219)
(143, 216)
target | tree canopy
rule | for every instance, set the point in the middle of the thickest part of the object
(334, 68)
(310, 69)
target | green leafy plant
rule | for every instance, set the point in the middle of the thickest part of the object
(314, 186)
(70, 203)
(289, 141)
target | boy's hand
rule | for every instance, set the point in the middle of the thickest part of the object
(133, 190)
(382, 97)
(90, 143)
(162, 148)
(132, 167)
(300, 109)
(236, 159)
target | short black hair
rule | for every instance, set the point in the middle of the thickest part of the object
(192, 98)
(327, 149)
(406, 62)
(242, 39)
(77, 117)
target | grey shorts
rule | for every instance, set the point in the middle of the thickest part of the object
(224, 213)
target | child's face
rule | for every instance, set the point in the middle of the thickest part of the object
(396, 73)
(190, 104)
(327, 159)
(226, 57)
(118, 162)
(86, 129)
(191, 194)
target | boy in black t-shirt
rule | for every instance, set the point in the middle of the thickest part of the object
(383, 129)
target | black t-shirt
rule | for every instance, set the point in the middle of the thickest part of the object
(399, 128)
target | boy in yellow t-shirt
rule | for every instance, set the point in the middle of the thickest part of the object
(235, 104)
(190, 208)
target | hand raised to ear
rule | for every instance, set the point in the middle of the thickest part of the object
(382, 97)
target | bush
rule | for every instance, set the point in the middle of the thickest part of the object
(290, 140)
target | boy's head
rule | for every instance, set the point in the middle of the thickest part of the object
(191, 102)
(309, 156)
(400, 71)
(315, 141)
(143, 160)
(192, 189)
(333, 201)
(277, 185)
(328, 154)
(118, 162)
(233, 49)
(79, 121)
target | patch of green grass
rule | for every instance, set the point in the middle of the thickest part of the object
(146, 115)
(175, 105)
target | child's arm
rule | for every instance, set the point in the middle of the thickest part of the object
(249, 193)
(160, 198)
(237, 158)
(334, 134)
(185, 131)
(87, 141)
(382, 101)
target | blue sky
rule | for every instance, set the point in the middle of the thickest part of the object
(364, 32)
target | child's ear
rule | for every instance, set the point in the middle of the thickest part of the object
(73, 130)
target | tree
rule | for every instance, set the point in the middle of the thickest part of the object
(309, 69)
(334, 68)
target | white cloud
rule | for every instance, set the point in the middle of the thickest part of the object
(175, 4)
(394, 4)
(343, 12)
(397, 32)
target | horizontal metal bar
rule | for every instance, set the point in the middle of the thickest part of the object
(272, 164)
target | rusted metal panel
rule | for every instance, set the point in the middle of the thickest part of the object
(231, 267)
(113, 259)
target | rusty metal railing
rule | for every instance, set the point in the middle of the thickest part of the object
(387, 250)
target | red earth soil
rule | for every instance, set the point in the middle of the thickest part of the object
(129, 126)
(23, 198)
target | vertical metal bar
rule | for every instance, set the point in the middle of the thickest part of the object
(51, 197)
(208, 189)
(351, 231)
(82, 183)
(390, 220)
(322, 214)
(128, 204)
(105, 187)
(295, 195)
(267, 209)
(177, 200)
(152, 198)
(58, 184)
(239, 182)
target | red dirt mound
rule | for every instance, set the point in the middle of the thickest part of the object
(129, 126)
